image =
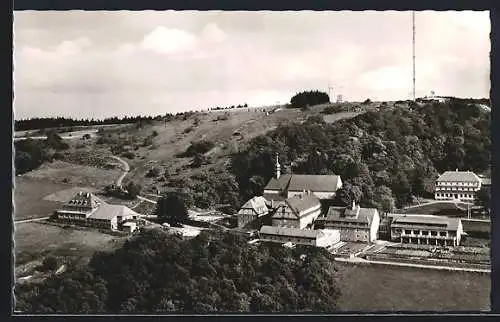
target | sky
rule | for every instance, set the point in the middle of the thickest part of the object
(85, 64)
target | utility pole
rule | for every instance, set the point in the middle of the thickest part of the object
(413, 48)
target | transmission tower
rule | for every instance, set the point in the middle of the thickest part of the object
(413, 48)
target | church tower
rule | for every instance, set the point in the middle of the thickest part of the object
(278, 167)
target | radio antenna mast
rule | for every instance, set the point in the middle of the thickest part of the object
(413, 48)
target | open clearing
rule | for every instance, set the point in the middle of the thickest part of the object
(34, 240)
(29, 198)
(74, 174)
(383, 288)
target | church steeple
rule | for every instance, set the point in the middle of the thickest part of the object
(278, 167)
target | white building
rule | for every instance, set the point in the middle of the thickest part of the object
(85, 209)
(426, 229)
(298, 211)
(356, 224)
(318, 238)
(289, 185)
(460, 185)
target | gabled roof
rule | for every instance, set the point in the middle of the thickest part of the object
(458, 176)
(258, 204)
(292, 232)
(279, 184)
(109, 212)
(339, 214)
(83, 200)
(451, 223)
(302, 202)
(316, 183)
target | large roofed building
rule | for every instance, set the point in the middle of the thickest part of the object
(318, 238)
(298, 211)
(356, 224)
(288, 185)
(426, 229)
(85, 209)
(459, 185)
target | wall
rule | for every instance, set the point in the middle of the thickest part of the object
(374, 227)
(355, 234)
(293, 223)
(319, 194)
(286, 239)
(307, 219)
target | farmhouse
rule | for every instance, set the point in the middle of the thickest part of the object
(289, 185)
(251, 210)
(298, 211)
(318, 238)
(426, 229)
(461, 185)
(85, 209)
(356, 224)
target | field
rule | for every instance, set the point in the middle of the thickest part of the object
(34, 240)
(74, 174)
(434, 207)
(29, 197)
(385, 288)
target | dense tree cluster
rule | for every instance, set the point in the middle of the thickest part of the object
(384, 158)
(51, 122)
(30, 154)
(214, 272)
(199, 147)
(308, 98)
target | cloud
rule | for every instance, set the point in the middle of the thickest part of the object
(162, 61)
(163, 40)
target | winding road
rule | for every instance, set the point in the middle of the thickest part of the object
(126, 170)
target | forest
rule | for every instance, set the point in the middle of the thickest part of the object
(308, 98)
(384, 158)
(213, 272)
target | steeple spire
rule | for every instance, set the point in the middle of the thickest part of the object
(278, 166)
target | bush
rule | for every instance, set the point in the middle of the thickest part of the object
(308, 98)
(153, 172)
(200, 147)
(128, 155)
(332, 109)
(49, 264)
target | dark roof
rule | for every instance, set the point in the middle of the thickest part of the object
(286, 231)
(279, 184)
(302, 202)
(458, 176)
(317, 183)
(344, 214)
(451, 223)
(274, 197)
(83, 200)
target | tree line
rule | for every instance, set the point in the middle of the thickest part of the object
(384, 158)
(213, 272)
(308, 98)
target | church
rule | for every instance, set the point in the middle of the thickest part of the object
(285, 186)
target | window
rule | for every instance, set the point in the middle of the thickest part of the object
(416, 232)
(407, 231)
(398, 230)
(425, 232)
(442, 233)
(433, 233)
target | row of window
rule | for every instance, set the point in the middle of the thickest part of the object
(455, 195)
(425, 232)
(455, 189)
(441, 183)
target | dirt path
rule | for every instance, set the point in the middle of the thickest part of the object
(29, 220)
(446, 268)
(126, 169)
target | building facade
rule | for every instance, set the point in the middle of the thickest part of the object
(85, 209)
(317, 238)
(251, 210)
(289, 185)
(457, 185)
(426, 230)
(355, 224)
(298, 211)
